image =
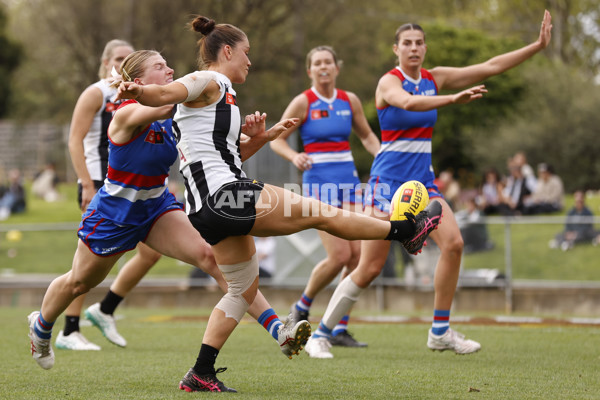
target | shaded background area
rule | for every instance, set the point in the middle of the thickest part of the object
(547, 107)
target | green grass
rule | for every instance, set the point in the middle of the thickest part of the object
(52, 252)
(531, 257)
(38, 210)
(528, 362)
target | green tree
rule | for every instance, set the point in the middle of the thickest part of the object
(10, 57)
(63, 39)
(67, 37)
(556, 122)
(575, 33)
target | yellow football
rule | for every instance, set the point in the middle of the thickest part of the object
(411, 197)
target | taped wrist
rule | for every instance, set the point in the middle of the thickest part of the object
(196, 82)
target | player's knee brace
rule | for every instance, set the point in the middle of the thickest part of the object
(240, 278)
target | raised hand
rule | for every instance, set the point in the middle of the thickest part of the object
(468, 95)
(254, 124)
(129, 90)
(545, 30)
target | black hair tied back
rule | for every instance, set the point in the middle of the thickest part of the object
(203, 25)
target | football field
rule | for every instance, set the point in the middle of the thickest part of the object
(517, 361)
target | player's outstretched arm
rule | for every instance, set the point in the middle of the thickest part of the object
(458, 78)
(153, 95)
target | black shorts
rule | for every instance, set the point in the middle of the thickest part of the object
(97, 185)
(231, 211)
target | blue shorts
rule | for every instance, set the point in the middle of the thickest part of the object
(379, 192)
(106, 238)
(333, 184)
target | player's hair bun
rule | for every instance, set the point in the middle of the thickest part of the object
(203, 25)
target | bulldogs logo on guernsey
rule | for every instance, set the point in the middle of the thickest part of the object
(156, 137)
(325, 133)
(406, 135)
(327, 128)
(318, 114)
(137, 173)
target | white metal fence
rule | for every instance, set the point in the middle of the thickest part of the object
(297, 254)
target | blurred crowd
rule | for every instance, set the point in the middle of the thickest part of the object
(519, 191)
(522, 190)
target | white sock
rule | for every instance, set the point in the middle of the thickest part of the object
(344, 297)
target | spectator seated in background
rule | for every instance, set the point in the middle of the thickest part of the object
(548, 196)
(449, 187)
(576, 231)
(520, 160)
(473, 231)
(12, 199)
(516, 191)
(44, 184)
(490, 192)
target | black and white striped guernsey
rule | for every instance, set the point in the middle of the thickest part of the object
(209, 145)
(95, 142)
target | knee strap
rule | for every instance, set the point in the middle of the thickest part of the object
(240, 278)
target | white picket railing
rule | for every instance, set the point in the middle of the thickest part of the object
(297, 254)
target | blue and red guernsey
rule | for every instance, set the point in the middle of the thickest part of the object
(405, 152)
(137, 174)
(327, 127)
